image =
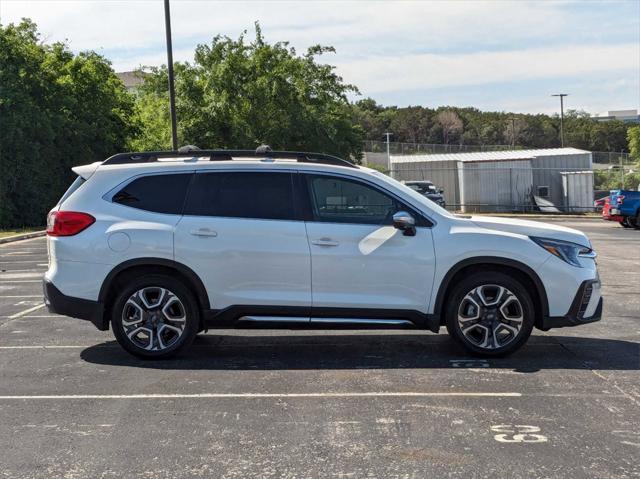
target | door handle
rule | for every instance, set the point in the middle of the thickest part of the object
(203, 232)
(325, 242)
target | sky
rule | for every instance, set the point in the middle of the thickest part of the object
(493, 55)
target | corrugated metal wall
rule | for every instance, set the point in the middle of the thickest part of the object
(505, 184)
(495, 186)
(443, 174)
(577, 189)
(546, 172)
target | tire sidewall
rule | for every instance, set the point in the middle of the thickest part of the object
(500, 279)
(176, 287)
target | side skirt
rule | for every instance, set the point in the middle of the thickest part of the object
(270, 316)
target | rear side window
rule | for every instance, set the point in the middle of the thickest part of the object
(157, 193)
(77, 183)
(257, 195)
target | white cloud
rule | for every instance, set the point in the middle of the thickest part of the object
(424, 71)
(382, 46)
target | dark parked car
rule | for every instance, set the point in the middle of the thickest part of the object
(428, 189)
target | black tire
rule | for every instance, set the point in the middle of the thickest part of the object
(636, 221)
(525, 307)
(624, 223)
(188, 305)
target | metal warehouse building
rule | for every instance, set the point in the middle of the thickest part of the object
(505, 180)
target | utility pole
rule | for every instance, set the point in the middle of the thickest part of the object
(561, 95)
(387, 134)
(172, 91)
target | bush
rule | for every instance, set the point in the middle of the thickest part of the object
(57, 110)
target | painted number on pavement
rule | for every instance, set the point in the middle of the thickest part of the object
(518, 433)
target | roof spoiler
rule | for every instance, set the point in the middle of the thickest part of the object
(85, 171)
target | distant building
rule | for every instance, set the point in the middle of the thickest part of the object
(504, 181)
(628, 116)
(132, 80)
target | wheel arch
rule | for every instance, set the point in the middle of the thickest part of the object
(494, 263)
(154, 265)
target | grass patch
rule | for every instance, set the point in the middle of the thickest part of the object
(19, 231)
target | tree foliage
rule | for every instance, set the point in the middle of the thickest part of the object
(57, 110)
(633, 137)
(417, 124)
(240, 94)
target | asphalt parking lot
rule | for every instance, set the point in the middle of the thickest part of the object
(347, 404)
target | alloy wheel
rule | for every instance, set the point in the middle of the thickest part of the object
(154, 318)
(490, 316)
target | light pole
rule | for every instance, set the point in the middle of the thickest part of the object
(561, 95)
(172, 92)
(387, 134)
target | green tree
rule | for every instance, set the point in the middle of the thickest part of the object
(57, 110)
(633, 137)
(240, 94)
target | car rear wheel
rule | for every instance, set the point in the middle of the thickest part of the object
(490, 314)
(155, 316)
(625, 223)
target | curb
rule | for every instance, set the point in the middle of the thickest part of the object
(24, 236)
(524, 216)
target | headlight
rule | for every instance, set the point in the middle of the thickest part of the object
(565, 250)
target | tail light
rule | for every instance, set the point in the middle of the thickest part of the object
(620, 199)
(68, 223)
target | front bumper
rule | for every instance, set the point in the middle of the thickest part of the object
(59, 303)
(586, 308)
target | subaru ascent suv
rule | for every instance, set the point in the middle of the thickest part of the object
(160, 246)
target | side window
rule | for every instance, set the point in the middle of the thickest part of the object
(339, 200)
(158, 193)
(256, 195)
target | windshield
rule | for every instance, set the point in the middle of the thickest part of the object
(423, 200)
(422, 187)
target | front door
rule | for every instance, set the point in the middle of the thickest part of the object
(359, 260)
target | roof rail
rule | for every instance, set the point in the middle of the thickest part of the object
(262, 151)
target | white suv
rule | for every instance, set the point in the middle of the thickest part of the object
(163, 245)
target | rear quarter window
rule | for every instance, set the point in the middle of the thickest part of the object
(157, 193)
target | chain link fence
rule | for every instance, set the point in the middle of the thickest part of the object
(398, 148)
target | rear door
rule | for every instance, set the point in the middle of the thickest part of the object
(240, 234)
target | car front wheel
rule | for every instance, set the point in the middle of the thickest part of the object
(490, 314)
(155, 316)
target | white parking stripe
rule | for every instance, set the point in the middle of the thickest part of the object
(26, 311)
(262, 395)
(46, 347)
(21, 296)
(25, 281)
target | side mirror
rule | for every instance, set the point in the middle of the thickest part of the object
(405, 223)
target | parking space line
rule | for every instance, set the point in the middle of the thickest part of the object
(62, 346)
(25, 281)
(22, 296)
(26, 311)
(260, 395)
